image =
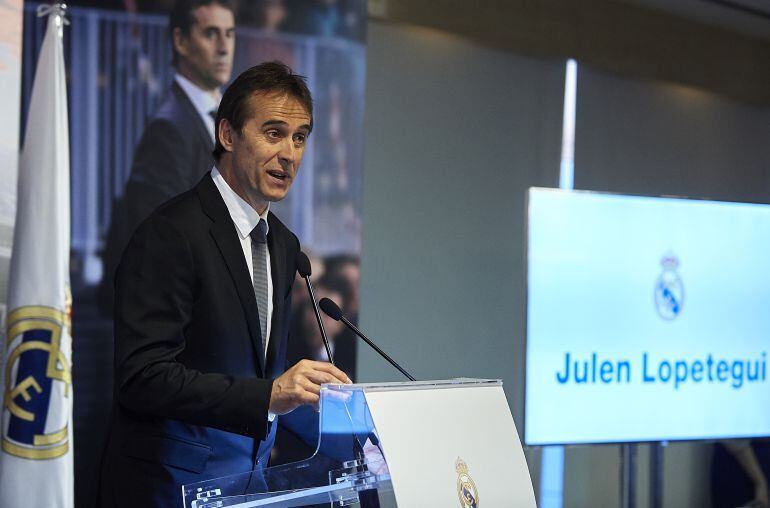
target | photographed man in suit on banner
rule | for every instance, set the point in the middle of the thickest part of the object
(175, 148)
(202, 308)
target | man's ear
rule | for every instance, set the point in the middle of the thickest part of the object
(225, 133)
(180, 41)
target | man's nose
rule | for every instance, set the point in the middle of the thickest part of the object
(288, 152)
(223, 45)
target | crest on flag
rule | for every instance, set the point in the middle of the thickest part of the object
(36, 371)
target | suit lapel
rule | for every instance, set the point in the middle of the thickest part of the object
(204, 136)
(223, 232)
(277, 248)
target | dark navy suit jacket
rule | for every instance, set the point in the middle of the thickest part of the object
(173, 153)
(191, 390)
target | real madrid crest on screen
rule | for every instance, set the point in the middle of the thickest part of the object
(37, 373)
(466, 488)
(669, 291)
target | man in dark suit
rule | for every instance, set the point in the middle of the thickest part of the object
(175, 148)
(202, 309)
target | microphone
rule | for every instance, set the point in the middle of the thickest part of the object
(333, 311)
(303, 268)
(367, 498)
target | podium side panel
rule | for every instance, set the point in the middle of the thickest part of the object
(426, 433)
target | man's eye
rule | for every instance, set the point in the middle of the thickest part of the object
(272, 134)
(300, 139)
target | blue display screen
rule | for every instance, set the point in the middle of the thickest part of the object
(648, 319)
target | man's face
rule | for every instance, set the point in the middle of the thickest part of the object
(206, 53)
(267, 152)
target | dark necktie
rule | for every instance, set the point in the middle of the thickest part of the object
(213, 115)
(259, 263)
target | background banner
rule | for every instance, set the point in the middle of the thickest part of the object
(119, 65)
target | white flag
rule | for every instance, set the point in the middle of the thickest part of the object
(36, 469)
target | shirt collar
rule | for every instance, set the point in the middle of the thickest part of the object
(203, 102)
(243, 215)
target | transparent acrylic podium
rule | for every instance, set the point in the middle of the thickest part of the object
(336, 473)
(426, 443)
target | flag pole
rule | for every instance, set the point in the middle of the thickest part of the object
(58, 10)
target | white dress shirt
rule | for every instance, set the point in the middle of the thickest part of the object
(203, 102)
(246, 219)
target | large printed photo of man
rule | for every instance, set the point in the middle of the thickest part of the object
(145, 81)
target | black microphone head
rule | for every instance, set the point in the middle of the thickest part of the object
(330, 309)
(303, 265)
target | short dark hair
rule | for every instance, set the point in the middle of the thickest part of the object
(181, 17)
(268, 77)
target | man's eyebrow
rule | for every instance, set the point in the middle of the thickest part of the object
(283, 124)
(218, 28)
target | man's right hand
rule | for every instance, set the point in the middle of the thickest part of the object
(301, 384)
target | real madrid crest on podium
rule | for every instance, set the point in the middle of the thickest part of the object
(669, 290)
(466, 488)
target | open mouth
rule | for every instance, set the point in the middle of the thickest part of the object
(278, 174)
